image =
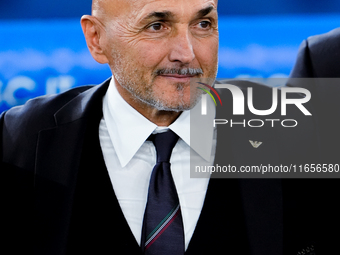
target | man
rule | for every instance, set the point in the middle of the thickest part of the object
(89, 152)
(153, 50)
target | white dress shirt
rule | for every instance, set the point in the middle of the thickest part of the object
(129, 159)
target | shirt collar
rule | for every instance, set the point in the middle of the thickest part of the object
(128, 129)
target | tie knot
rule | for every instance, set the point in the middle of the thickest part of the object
(164, 143)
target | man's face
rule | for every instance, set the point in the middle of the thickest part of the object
(154, 48)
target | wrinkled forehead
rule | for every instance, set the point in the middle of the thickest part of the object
(136, 9)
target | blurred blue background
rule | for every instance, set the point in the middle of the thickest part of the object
(43, 51)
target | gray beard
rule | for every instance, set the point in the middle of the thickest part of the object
(158, 104)
(147, 96)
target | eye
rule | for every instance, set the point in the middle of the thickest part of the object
(205, 24)
(155, 27)
(203, 27)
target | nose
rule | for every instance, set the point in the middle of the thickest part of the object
(181, 48)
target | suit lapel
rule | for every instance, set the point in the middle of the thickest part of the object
(61, 151)
(58, 156)
(55, 178)
(59, 147)
(98, 225)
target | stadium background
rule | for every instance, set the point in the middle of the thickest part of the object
(43, 51)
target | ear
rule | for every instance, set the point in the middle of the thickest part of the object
(92, 30)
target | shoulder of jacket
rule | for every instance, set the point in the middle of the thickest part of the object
(329, 39)
(40, 110)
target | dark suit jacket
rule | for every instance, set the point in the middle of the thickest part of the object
(317, 68)
(319, 56)
(58, 198)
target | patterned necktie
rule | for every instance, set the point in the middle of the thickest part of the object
(162, 231)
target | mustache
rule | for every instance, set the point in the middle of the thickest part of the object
(179, 71)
